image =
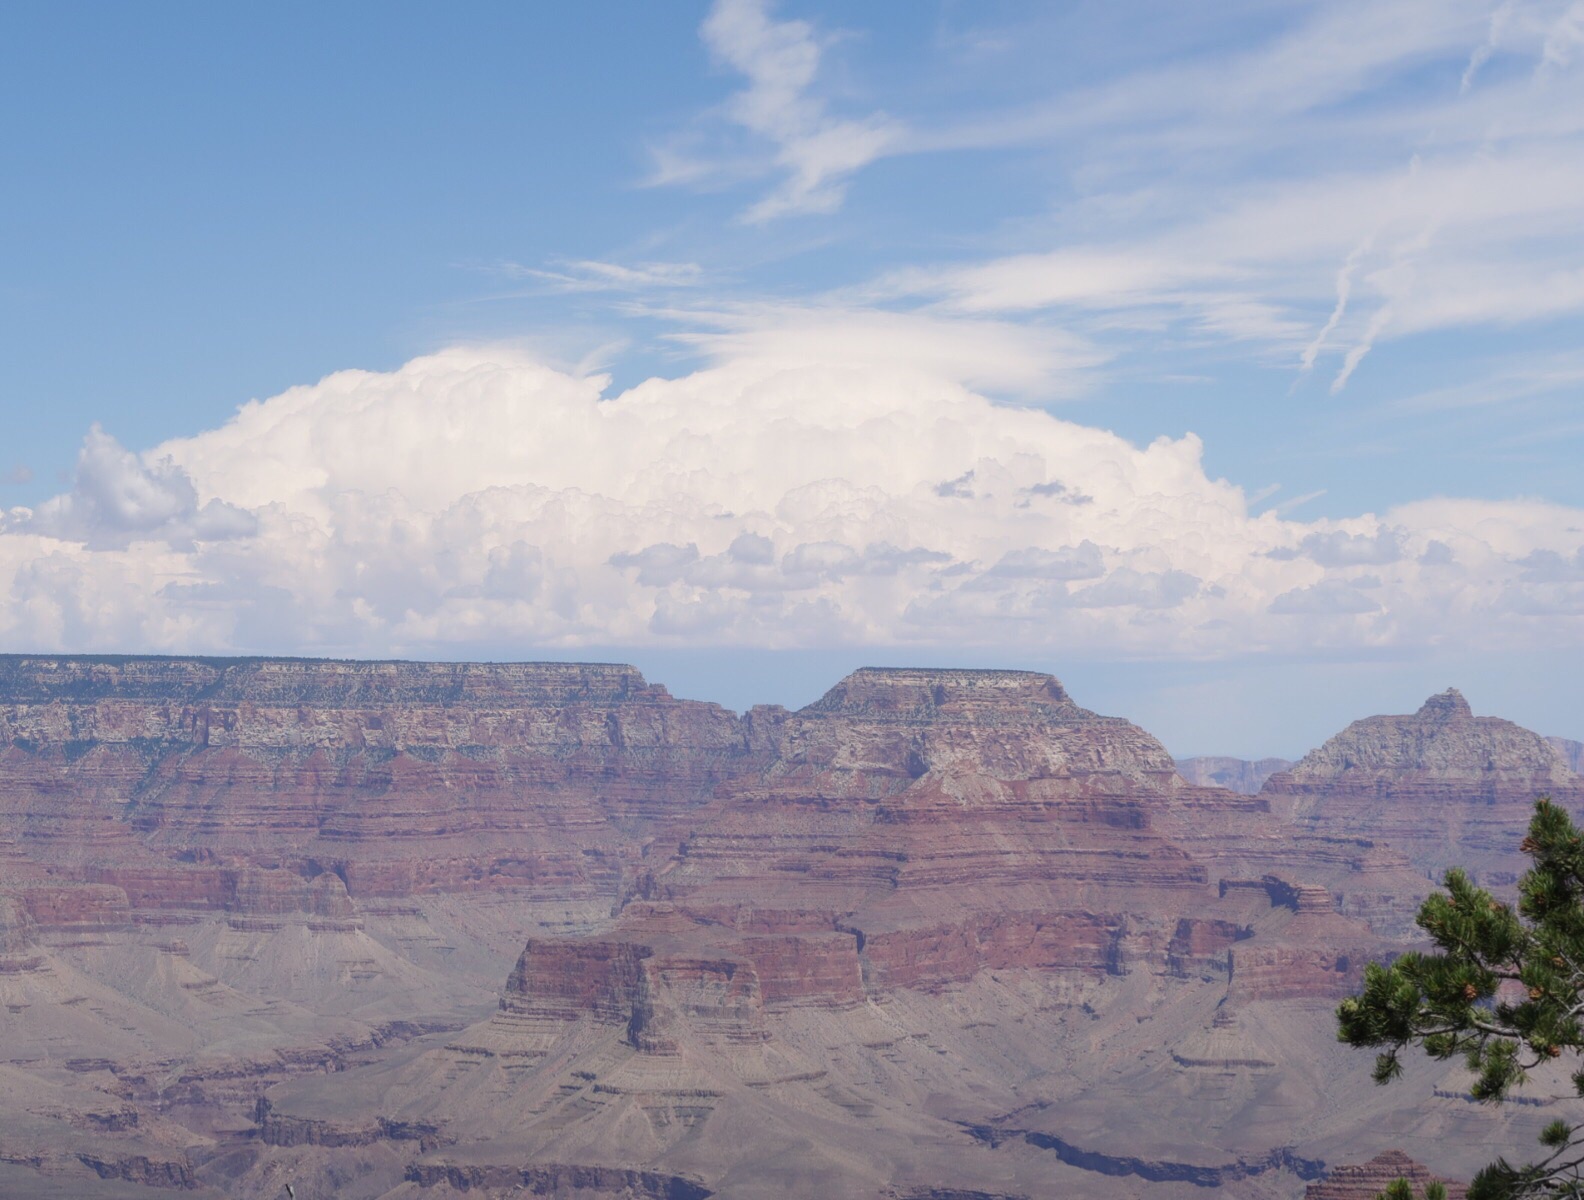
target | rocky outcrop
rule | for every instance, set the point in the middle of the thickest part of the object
(1316, 954)
(283, 1129)
(556, 1179)
(17, 931)
(18, 939)
(1368, 1180)
(1441, 785)
(141, 1169)
(939, 823)
(1443, 748)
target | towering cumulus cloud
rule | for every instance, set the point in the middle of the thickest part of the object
(476, 497)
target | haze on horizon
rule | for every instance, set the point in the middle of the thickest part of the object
(1225, 365)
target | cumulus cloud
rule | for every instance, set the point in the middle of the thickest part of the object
(478, 497)
(1329, 597)
(1082, 561)
(119, 497)
(1341, 548)
(1547, 566)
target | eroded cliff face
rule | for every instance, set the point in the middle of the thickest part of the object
(916, 910)
(428, 928)
(1365, 1181)
(1441, 785)
(167, 778)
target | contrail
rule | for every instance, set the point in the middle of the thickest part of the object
(1344, 288)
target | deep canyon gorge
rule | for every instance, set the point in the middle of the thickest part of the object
(420, 930)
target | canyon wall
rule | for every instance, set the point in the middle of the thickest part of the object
(431, 928)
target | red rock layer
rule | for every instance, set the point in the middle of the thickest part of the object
(918, 827)
(153, 774)
(1368, 1180)
(1441, 785)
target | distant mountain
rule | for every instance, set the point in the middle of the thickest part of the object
(1238, 774)
(1442, 785)
(1572, 752)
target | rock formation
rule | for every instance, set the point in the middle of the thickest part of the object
(398, 929)
(1368, 1180)
(1442, 785)
(164, 777)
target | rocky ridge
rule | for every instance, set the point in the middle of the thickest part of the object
(1442, 785)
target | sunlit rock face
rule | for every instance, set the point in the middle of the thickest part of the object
(1441, 784)
(169, 776)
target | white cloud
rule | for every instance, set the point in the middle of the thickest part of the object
(119, 497)
(1000, 356)
(814, 151)
(476, 497)
(591, 275)
(1258, 193)
(1329, 597)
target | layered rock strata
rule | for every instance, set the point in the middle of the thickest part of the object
(249, 910)
(1441, 785)
(1368, 1180)
(173, 778)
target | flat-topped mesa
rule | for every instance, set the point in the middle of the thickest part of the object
(897, 724)
(1441, 744)
(403, 776)
(916, 693)
(335, 683)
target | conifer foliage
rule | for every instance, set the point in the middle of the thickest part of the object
(1401, 1189)
(1502, 989)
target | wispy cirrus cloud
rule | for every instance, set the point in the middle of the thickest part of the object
(591, 275)
(794, 133)
(1354, 174)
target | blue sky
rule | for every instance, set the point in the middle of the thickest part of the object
(1337, 244)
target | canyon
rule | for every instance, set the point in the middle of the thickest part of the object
(403, 930)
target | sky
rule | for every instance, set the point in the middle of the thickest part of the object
(1224, 360)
